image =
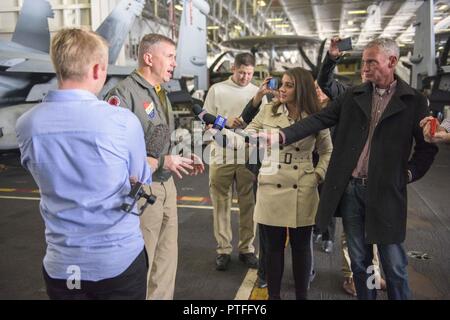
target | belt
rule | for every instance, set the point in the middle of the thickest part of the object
(359, 181)
(289, 158)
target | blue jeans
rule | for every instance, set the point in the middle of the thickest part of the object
(392, 256)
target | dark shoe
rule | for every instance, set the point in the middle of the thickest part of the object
(349, 286)
(261, 283)
(222, 262)
(249, 259)
(327, 246)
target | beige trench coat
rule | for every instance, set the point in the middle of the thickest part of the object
(289, 198)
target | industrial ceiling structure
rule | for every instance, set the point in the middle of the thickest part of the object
(360, 19)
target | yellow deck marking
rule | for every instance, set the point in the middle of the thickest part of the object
(259, 294)
(193, 199)
(245, 290)
(20, 198)
(201, 207)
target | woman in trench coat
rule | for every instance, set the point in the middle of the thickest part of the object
(287, 197)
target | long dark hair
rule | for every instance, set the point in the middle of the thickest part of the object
(305, 91)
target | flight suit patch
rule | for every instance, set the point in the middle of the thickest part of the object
(114, 101)
(149, 109)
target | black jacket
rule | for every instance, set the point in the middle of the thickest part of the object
(390, 159)
(325, 79)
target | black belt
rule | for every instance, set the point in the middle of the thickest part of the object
(359, 181)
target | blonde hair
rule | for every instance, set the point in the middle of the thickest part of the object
(74, 50)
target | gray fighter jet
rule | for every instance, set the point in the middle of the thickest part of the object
(26, 72)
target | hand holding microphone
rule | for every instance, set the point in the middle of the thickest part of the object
(219, 123)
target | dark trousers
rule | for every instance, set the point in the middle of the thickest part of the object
(393, 257)
(262, 239)
(300, 240)
(129, 285)
(329, 233)
(262, 254)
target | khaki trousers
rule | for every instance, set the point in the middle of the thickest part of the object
(159, 225)
(346, 262)
(221, 178)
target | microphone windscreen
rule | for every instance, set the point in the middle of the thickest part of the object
(197, 109)
(209, 118)
(156, 139)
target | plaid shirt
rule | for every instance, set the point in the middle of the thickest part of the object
(446, 124)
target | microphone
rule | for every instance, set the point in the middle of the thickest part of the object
(156, 138)
(219, 123)
(207, 118)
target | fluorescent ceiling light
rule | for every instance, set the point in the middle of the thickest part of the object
(283, 25)
(213, 27)
(351, 29)
(357, 12)
(179, 7)
(261, 3)
(275, 19)
(350, 22)
(443, 7)
(238, 27)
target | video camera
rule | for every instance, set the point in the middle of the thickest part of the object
(137, 192)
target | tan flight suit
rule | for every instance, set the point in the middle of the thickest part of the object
(159, 223)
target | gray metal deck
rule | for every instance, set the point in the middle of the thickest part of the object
(22, 243)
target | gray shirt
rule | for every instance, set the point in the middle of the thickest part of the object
(136, 94)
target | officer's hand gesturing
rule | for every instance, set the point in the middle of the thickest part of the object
(199, 167)
(176, 163)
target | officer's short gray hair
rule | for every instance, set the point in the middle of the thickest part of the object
(149, 40)
(388, 46)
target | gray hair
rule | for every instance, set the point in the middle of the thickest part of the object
(388, 46)
(151, 39)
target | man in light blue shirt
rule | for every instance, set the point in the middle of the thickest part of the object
(82, 153)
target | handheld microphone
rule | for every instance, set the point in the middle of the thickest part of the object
(208, 118)
(156, 138)
(219, 123)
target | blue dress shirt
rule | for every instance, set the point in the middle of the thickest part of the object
(81, 152)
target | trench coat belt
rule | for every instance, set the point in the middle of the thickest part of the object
(289, 158)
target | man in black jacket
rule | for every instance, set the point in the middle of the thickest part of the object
(325, 78)
(333, 88)
(376, 120)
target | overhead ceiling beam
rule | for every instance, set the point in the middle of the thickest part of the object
(315, 11)
(289, 16)
(401, 20)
